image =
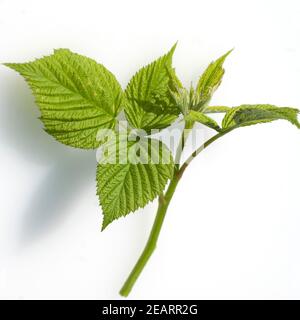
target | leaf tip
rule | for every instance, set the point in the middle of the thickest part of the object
(297, 118)
(103, 227)
(10, 65)
(172, 50)
(105, 223)
(226, 54)
(61, 50)
(18, 67)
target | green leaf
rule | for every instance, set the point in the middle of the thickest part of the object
(217, 109)
(149, 101)
(125, 181)
(202, 118)
(246, 115)
(187, 100)
(211, 79)
(76, 96)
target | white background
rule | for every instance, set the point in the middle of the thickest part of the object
(232, 230)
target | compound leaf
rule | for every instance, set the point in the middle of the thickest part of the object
(246, 115)
(211, 79)
(76, 96)
(149, 101)
(131, 175)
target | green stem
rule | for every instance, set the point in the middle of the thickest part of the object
(151, 243)
(164, 201)
(201, 148)
(184, 136)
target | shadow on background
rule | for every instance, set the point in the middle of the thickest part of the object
(69, 170)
